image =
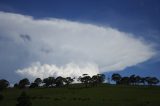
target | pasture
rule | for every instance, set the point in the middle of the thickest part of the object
(104, 95)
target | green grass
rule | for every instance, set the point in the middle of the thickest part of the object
(106, 95)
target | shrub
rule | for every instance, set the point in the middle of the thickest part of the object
(24, 100)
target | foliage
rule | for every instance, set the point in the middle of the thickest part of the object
(23, 100)
(49, 81)
(68, 80)
(15, 85)
(97, 79)
(3, 84)
(23, 83)
(152, 80)
(33, 85)
(124, 80)
(38, 81)
(134, 80)
(59, 81)
(116, 77)
(85, 79)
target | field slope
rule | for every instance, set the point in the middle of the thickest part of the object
(106, 95)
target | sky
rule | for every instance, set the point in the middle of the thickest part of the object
(73, 37)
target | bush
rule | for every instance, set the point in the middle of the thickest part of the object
(24, 100)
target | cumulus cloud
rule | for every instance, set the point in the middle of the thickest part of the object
(60, 44)
(43, 71)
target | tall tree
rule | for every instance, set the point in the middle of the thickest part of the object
(59, 81)
(101, 78)
(68, 80)
(85, 79)
(137, 80)
(50, 81)
(33, 85)
(125, 81)
(97, 79)
(15, 85)
(152, 80)
(38, 81)
(94, 80)
(3, 84)
(116, 77)
(143, 80)
(132, 80)
(23, 83)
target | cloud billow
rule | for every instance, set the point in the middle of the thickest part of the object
(60, 46)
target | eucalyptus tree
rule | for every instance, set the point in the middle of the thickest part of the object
(85, 79)
(3, 84)
(23, 83)
(59, 81)
(152, 80)
(38, 81)
(97, 79)
(116, 77)
(49, 82)
(68, 80)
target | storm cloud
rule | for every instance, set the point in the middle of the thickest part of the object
(66, 48)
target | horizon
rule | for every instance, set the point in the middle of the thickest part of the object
(69, 38)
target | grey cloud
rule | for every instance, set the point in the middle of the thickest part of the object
(25, 37)
(46, 50)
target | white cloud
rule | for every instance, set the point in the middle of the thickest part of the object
(59, 42)
(43, 71)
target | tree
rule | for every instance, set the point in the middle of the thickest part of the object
(59, 81)
(94, 80)
(143, 80)
(23, 100)
(152, 80)
(85, 79)
(38, 81)
(101, 78)
(116, 77)
(15, 85)
(23, 83)
(137, 80)
(155, 80)
(68, 80)
(46, 82)
(97, 79)
(3, 84)
(124, 80)
(33, 85)
(132, 79)
(50, 81)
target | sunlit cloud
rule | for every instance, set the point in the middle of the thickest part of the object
(62, 46)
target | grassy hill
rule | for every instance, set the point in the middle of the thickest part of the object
(105, 95)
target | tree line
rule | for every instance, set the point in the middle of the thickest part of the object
(134, 80)
(85, 80)
(60, 81)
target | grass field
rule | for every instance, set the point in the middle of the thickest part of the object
(106, 95)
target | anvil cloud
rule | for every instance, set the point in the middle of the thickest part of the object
(67, 48)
